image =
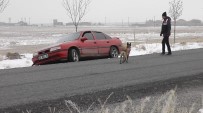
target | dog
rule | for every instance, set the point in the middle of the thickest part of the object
(125, 53)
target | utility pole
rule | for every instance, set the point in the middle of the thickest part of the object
(9, 20)
(29, 21)
(105, 20)
(128, 21)
(202, 17)
(122, 22)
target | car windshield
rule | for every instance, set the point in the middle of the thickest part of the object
(69, 37)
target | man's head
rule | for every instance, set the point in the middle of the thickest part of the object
(164, 15)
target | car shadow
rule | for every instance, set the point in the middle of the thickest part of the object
(81, 60)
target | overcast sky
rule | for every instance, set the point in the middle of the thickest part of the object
(44, 11)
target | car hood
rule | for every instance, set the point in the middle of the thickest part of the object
(47, 47)
(54, 45)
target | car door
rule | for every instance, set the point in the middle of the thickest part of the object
(103, 43)
(88, 47)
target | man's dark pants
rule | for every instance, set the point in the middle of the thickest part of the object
(166, 41)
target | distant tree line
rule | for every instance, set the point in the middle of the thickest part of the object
(193, 22)
(180, 22)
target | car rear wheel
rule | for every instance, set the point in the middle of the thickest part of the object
(73, 55)
(113, 52)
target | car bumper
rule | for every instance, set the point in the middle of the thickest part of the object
(52, 57)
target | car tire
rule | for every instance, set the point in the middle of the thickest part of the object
(113, 52)
(73, 56)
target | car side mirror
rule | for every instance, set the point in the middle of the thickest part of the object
(84, 39)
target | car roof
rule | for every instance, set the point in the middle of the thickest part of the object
(91, 31)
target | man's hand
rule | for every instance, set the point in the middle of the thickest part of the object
(161, 34)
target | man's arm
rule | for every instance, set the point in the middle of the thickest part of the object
(169, 27)
(161, 30)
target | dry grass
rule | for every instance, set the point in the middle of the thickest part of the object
(12, 56)
(27, 111)
(183, 43)
(141, 47)
(167, 103)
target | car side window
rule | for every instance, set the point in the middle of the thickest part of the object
(99, 36)
(88, 35)
(107, 36)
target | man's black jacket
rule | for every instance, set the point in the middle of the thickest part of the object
(166, 26)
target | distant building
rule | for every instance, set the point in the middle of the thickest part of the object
(22, 23)
(56, 23)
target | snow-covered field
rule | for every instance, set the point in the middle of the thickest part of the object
(143, 37)
(9, 42)
(26, 40)
(141, 49)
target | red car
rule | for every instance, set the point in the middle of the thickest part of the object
(73, 47)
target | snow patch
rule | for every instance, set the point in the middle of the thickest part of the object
(143, 49)
(25, 61)
(201, 111)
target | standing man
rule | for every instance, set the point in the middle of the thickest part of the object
(166, 32)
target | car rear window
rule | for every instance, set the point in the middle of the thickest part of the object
(69, 37)
(99, 35)
(107, 36)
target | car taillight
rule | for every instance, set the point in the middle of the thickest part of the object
(55, 48)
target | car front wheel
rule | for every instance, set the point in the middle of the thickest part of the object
(114, 52)
(73, 55)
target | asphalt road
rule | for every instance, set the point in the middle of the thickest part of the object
(26, 85)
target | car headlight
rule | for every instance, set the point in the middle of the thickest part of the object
(35, 54)
(55, 48)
